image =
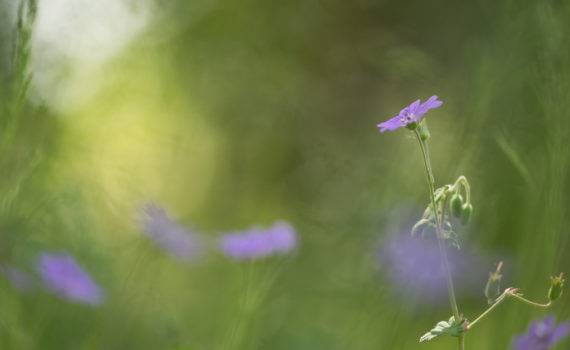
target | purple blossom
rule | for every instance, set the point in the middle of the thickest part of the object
(258, 242)
(414, 265)
(413, 268)
(20, 279)
(62, 276)
(541, 335)
(170, 235)
(282, 236)
(410, 114)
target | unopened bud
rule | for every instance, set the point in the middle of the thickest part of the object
(555, 287)
(493, 287)
(456, 205)
(424, 131)
(466, 211)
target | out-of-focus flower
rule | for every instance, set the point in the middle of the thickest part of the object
(259, 242)
(170, 235)
(413, 268)
(62, 276)
(282, 236)
(410, 114)
(414, 265)
(541, 335)
(20, 279)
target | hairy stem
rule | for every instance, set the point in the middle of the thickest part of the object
(512, 292)
(486, 312)
(532, 303)
(439, 233)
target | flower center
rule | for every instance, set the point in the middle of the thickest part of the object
(407, 118)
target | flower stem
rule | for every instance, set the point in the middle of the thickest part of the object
(512, 292)
(439, 232)
(532, 303)
(486, 312)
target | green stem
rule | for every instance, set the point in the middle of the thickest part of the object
(486, 312)
(532, 303)
(439, 232)
(512, 293)
(462, 180)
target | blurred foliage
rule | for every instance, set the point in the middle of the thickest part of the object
(232, 114)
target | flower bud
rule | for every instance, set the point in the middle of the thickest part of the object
(456, 205)
(493, 287)
(424, 131)
(466, 211)
(556, 285)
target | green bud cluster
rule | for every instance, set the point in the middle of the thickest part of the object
(556, 284)
(456, 205)
(466, 211)
(460, 207)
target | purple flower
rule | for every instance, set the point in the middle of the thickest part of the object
(171, 236)
(413, 267)
(542, 334)
(258, 242)
(410, 114)
(282, 236)
(62, 276)
(21, 280)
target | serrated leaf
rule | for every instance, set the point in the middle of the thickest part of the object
(445, 327)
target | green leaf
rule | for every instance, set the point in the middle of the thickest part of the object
(445, 327)
(451, 237)
(418, 228)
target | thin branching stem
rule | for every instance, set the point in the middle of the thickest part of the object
(512, 292)
(439, 232)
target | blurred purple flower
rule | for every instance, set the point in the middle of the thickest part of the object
(542, 334)
(258, 242)
(62, 276)
(283, 237)
(171, 235)
(410, 114)
(20, 279)
(413, 267)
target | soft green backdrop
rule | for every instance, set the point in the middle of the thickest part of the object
(234, 113)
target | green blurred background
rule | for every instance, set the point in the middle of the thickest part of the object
(235, 113)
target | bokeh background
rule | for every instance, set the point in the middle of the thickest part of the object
(231, 114)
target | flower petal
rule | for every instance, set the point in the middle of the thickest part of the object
(432, 102)
(522, 343)
(560, 332)
(391, 124)
(414, 106)
(62, 276)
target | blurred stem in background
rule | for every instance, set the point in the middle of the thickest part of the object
(21, 78)
(258, 279)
